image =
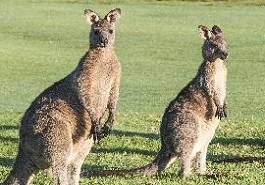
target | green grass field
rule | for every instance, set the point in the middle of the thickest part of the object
(160, 51)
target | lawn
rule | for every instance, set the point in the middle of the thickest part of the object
(158, 45)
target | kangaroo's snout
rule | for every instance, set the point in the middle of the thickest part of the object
(224, 55)
(104, 42)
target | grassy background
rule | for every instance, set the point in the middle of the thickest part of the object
(160, 51)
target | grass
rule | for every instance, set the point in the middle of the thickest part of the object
(158, 45)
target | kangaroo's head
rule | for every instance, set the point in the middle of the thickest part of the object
(214, 44)
(102, 32)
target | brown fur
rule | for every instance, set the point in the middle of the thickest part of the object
(56, 130)
(190, 120)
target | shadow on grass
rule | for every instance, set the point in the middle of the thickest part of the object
(9, 127)
(219, 140)
(86, 167)
(122, 150)
(6, 162)
(4, 128)
(9, 139)
(235, 159)
(239, 141)
(258, 142)
(135, 134)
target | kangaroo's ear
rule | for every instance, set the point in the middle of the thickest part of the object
(113, 15)
(91, 16)
(204, 32)
(216, 30)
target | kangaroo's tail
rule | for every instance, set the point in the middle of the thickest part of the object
(160, 163)
(23, 170)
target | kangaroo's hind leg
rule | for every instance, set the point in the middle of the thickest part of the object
(74, 168)
(208, 133)
(201, 161)
(60, 176)
(185, 162)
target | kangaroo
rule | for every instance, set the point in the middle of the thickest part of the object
(189, 122)
(61, 125)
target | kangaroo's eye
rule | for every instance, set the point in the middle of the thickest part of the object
(110, 31)
(96, 32)
(213, 46)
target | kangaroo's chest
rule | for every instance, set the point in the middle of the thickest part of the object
(219, 79)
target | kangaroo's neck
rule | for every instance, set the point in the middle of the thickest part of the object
(211, 76)
(212, 67)
(93, 48)
(100, 51)
(97, 55)
(94, 59)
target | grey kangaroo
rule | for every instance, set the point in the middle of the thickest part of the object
(189, 122)
(60, 126)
